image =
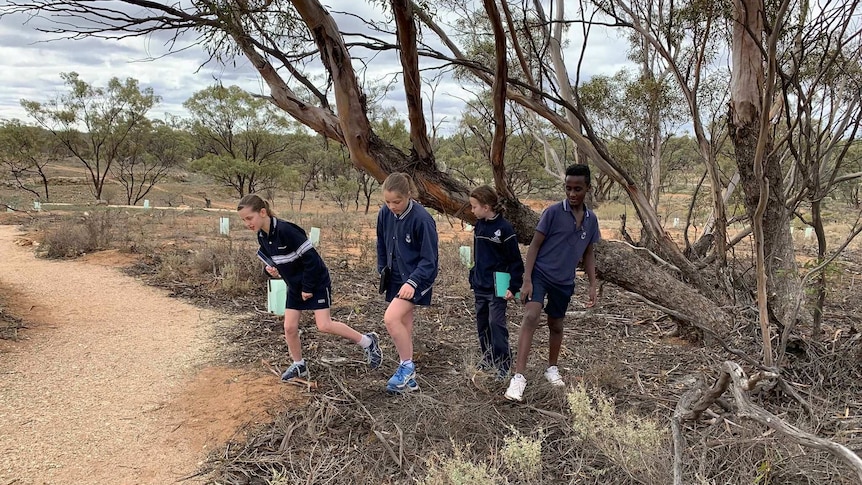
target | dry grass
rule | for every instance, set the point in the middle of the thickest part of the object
(459, 425)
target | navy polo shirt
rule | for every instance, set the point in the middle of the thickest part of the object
(565, 242)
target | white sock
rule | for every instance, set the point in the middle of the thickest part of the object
(407, 362)
(365, 341)
(299, 362)
(520, 377)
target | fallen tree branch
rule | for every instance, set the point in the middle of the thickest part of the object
(733, 377)
(676, 427)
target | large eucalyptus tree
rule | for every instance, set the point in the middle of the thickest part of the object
(525, 65)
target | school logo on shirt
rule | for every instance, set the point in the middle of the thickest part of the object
(497, 235)
(407, 238)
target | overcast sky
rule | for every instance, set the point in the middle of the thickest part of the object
(32, 63)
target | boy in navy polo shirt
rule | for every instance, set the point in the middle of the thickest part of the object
(287, 253)
(565, 235)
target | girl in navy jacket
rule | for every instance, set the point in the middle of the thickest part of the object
(288, 254)
(495, 247)
(407, 262)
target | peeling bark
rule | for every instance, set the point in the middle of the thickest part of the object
(758, 165)
(406, 33)
(498, 97)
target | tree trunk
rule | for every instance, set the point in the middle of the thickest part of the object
(498, 97)
(406, 32)
(618, 263)
(820, 285)
(746, 110)
(655, 167)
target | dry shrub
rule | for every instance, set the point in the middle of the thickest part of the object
(634, 443)
(233, 265)
(92, 232)
(170, 268)
(522, 455)
(459, 470)
(227, 267)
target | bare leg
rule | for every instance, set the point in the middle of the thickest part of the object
(529, 324)
(291, 334)
(399, 323)
(555, 339)
(326, 324)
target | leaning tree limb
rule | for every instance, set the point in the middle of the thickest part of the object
(733, 377)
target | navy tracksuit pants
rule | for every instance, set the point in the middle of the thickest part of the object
(493, 332)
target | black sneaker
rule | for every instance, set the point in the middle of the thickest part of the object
(295, 371)
(373, 353)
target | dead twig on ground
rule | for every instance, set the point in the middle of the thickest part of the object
(731, 372)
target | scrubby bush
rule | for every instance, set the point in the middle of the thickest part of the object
(93, 232)
(459, 470)
(634, 443)
(522, 455)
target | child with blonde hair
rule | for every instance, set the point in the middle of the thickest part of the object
(407, 263)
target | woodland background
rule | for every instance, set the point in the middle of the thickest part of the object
(735, 133)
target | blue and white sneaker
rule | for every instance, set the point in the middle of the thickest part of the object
(404, 380)
(295, 371)
(373, 353)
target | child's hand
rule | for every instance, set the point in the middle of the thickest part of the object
(526, 291)
(509, 296)
(272, 271)
(594, 298)
(306, 296)
(406, 292)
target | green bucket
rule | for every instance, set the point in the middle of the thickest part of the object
(276, 297)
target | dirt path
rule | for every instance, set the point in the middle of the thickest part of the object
(111, 384)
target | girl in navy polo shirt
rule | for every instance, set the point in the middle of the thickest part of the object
(407, 262)
(287, 253)
(495, 247)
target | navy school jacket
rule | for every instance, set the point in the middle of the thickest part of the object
(412, 239)
(287, 247)
(495, 249)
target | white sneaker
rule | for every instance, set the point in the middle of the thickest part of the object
(515, 392)
(553, 376)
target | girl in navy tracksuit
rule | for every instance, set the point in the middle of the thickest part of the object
(407, 262)
(495, 249)
(287, 253)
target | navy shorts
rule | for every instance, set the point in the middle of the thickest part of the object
(558, 295)
(321, 298)
(395, 286)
